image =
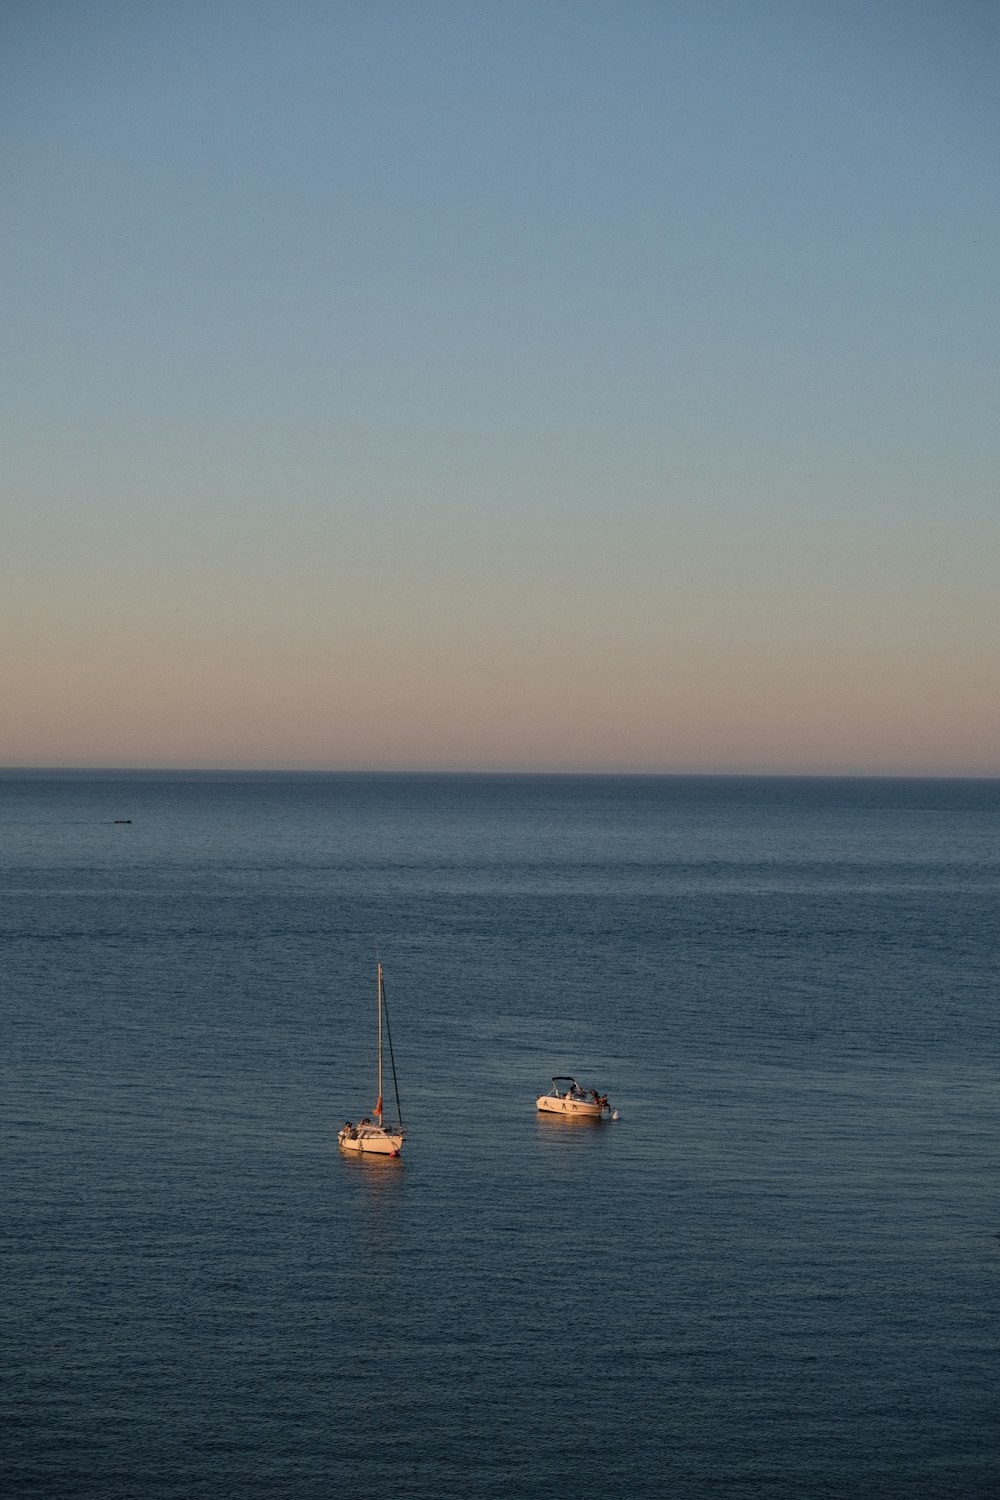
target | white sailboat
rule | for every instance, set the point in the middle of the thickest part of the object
(581, 1103)
(375, 1135)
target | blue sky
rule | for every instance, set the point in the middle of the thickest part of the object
(548, 385)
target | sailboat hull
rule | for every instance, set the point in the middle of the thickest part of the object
(372, 1139)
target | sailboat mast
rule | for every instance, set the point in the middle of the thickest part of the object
(379, 1109)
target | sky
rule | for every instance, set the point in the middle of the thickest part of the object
(531, 385)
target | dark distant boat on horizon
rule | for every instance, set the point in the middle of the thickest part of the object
(376, 1136)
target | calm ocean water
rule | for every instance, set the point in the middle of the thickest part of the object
(775, 1276)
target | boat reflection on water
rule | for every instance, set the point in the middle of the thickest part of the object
(567, 1123)
(371, 1161)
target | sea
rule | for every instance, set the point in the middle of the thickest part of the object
(776, 1276)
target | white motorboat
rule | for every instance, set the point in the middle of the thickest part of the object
(374, 1135)
(573, 1099)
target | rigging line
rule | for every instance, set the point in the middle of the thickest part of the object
(392, 1060)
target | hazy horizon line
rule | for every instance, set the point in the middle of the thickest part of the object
(483, 772)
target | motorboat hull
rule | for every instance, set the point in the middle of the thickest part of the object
(558, 1104)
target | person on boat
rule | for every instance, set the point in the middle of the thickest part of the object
(348, 1130)
(602, 1101)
